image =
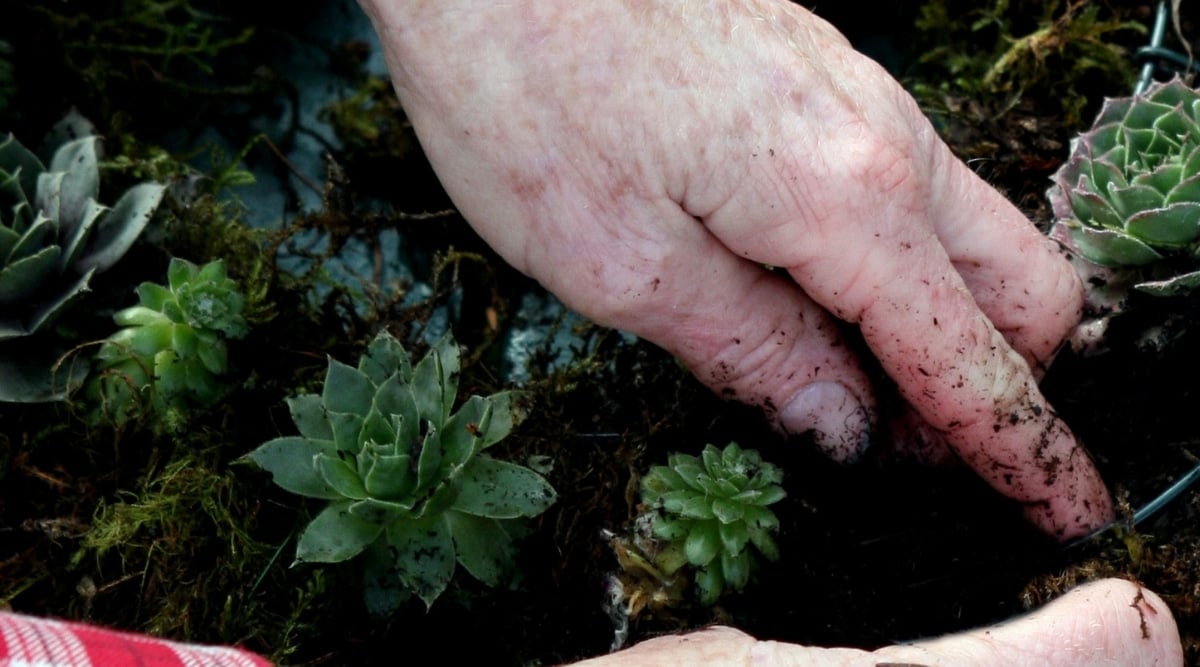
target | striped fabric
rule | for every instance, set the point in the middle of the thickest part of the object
(36, 642)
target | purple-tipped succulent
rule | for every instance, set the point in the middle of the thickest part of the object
(1128, 197)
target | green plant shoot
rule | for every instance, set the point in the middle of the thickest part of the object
(406, 478)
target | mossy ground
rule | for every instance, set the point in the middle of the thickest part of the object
(158, 527)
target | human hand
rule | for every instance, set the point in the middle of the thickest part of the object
(644, 161)
(1114, 622)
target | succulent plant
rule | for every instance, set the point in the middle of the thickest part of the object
(406, 478)
(709, 510)
(54, 236)
(1128, 197)
(171, 349)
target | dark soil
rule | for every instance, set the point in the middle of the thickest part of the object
(874, 553)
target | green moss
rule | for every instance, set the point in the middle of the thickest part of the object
(165, 34)
(183, 524)
(1001, 51)
(176, 43)
(370, 120)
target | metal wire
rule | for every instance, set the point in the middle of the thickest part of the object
(1156, 58)
(1167, 496)
(1150, 64)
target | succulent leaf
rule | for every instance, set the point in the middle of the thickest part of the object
(118, 227)
(385, 357)
(21, 278)
(735, 567)
(335, 535)
(429, 460)
(377, 428)
(461, 438)
(697, 507)
(690, 471)
(290, 462)
(206, 347)
(424, 555)
(341, 476)
(383, 591)
(346, 428)
(26, 378)
(507, 410)
(437, 369)
(443, 496)
(734, 536)
(671, 530)
(702, 544)
(501, 490)
(390, 476)
(1183, 283)
(713, 462)
(1110, 247)
(136, 316)
(711, 582)
(764, 542)
(308, 413)
(153, 296)
(73, 180)
(393, 397)
(346, 388)
(769, 495)
(727, 511)
(1173, 226)
(15, 159)
(484, 548)
(382, 512)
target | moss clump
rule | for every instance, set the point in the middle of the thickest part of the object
(174, 54)
(185, 523)
(1001, 51)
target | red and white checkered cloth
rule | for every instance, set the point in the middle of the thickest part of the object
(37, 642)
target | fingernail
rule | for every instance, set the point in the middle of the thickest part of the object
(839, 424)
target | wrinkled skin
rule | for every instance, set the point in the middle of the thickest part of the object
(1110, 622)
(645, 160)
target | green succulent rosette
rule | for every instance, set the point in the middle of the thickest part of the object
(54, 237)
(1128, 197)
(171, 350)
(710, 510)
(407, 480)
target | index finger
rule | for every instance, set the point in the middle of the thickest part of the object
(946, 356)
(876, 259)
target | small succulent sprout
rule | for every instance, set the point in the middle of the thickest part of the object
(709, 510)
(171, 349)
(402, 471)
(1128, 197)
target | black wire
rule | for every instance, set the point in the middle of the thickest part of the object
(1158, 55)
